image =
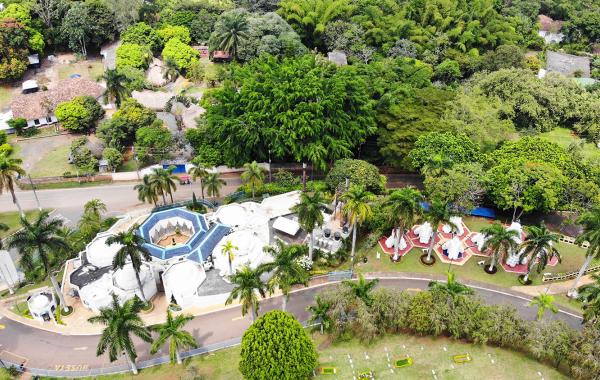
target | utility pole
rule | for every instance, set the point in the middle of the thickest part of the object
(35, 193)
(270, 179)
(304, 176)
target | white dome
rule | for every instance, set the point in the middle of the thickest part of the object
(241, 215)
(250, 251)
(184, 278)
(40, 302)
(125, 278)
(100, 254)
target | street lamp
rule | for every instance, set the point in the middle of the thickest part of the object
(270, 166)
(304, 176)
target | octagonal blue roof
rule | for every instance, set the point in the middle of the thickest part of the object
(200, 244)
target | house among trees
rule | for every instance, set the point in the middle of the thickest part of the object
(549, 30)
(337, 57)
(38, 108)
(221, 56)
(567, 65)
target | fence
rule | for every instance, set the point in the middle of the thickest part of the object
(549, 277)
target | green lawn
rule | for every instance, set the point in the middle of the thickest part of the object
(564, 137)
(54, 163)
(67, 185)
(12, 220)
(428, 355)
(128, 166)
(6, 95)
(87, 69)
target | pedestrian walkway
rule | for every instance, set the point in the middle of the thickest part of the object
(553, 287)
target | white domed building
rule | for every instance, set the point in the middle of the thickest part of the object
(42, 306)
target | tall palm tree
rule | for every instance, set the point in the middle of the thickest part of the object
(438, 213)
(543, 302)
(9, 169)
(115, 86)
(452, 287)
(121, 322)
(310, 215)
(163, 181)
(41, 238)
(228, 250)
(589, 294)
(172, 331)
(3, 227)
(286, 271)
(147, 190)
(199, 172)
(233, 30)
(214, 184)
(404, 206)
(253, 174)
(362, 288)
(590, 221)
(357, 209)
(132, 248)
(539, 246)
(170, 70)
(319, 313)
(247, 283)
(95, 206)
(501, 241)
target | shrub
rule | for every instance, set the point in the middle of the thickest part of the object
(358, 172)
(18, 124)
(133, 55)
(142, 34)
(169, 32)
(182, 54)
(113, 156)
(80, 114)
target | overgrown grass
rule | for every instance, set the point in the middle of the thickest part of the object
(7, 94)
(128, 166)
(54, 163)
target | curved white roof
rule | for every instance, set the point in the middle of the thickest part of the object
(184, 277)
(250, 251)
(40, 302)
(125, 278)
(241, 215)
(100, 254)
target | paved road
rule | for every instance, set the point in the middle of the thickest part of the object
(48, 350)
(119, 198)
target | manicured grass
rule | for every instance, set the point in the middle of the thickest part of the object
(87, 69)
(428, 354)
(12, 219)
(54, 163)
(68, 185)
(564, 137)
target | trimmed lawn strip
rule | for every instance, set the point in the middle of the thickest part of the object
(12, 220)
(54, 164)
(67, 185)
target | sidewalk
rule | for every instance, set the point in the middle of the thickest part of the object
(553, 287)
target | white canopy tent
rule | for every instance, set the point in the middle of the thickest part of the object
(454, 248)
(425, 232)
(457, 226)
(390, 241)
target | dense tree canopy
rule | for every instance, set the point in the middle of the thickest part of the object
(300, 109)
(358, 172)
(121, 129)
(80, 114)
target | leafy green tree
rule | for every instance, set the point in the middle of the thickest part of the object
(170, 70)
(438, 213)
(254, 175)
(357, 208)
(589, 295)
(14, 49)
(214, 184)
(500, 241)
(132, 249)
(504, 57)
(88, 24)
(285, 268)
(584, 358)
(80, 114)
(247, 283)
(133, 55)
(163, 181)
(121, 321)
(153, 141)
(169, 32)
(462, 186)
(116, 88)
(9, 169)
(120, 130)
(37, 241)
(551, 341)
(94, 206)
(18, 124)
(269, 107)
(113, 156)
(590, 221)
(357, 172)
(451, 287)
(230, 31)
(453, 148)
(182, 54)
(539, 246)
(310, 215)
(447, 72)
(173, 332)
(147, 191)
(403, 208)
(362, 289)
(544, 302)
(319, 313)
(276, 346)
(142, 34)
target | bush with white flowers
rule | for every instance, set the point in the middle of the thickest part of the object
(305, 262)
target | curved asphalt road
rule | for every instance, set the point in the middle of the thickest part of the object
(46, 350)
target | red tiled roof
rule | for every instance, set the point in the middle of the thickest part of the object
(547, 24)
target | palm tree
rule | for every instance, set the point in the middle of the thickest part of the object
(310, 215)
(170, 70)
(320, 314)
(213, 185)
(590, 221)
(539, 247)
(286, 271)
(41, 237)
(3, 227)
(254, 175)
(121, 322)
(172, 330)
(228, 250)
(9, 169)
(115, 86)
(438, 213)
(247, 283)
(590, 296)
(132, 248)
(357, 209)
(362, 288)
(94, 206)
(404, 207)
(163, 181)
(147, 190)
(543, 302)
(233, 30)
(200, 172)
(436, 165)
(452, 287)
(501, 241)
